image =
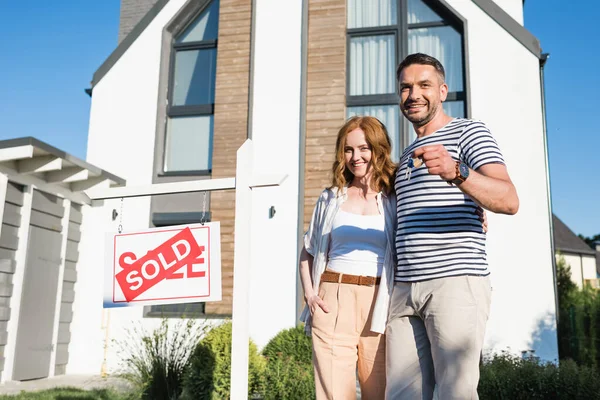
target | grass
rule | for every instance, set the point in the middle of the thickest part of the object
(67, 393)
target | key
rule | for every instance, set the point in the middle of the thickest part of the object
(409, 166)
(412, 163)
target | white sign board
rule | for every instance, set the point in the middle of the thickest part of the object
(169, 265)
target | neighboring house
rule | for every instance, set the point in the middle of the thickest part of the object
(581, 258)
(191, 80)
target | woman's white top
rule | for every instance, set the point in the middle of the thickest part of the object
(316, 243)
(358, 244)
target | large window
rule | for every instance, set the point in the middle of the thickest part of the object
(191, 95)
(380, 34)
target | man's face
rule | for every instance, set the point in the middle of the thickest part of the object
(421, 93)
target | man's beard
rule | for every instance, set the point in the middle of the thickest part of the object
(423, 119)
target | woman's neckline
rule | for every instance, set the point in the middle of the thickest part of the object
(361, 215)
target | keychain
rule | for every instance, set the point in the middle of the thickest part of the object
(412, 163)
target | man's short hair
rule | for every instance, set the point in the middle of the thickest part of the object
(421, 59)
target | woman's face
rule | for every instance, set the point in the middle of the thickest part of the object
(357, 154)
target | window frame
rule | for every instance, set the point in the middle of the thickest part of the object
(400, 31)
(187, 110)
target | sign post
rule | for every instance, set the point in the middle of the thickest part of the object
(243, 183)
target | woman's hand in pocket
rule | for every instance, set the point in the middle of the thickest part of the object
(315, 301)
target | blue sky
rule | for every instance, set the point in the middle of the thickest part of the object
(50, 50)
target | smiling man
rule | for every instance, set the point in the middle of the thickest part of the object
(441, 297)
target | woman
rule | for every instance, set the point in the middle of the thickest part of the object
(351, 234)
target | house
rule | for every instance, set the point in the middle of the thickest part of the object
(191, 80)
(579, 256)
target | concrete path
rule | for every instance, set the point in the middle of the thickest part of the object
(78, 381)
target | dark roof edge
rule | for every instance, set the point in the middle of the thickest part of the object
(128, 41)
(511, 26)
(577, 252)
(29, 140)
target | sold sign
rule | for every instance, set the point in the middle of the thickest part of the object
(139, 275)
(164, 265)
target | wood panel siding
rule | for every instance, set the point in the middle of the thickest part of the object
(325, 94)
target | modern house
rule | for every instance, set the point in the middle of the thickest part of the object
(578, 255)
(191, 80)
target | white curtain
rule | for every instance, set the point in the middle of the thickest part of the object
(369, 13)
(389, 116)
(443, 43)
(420, 12)
(372, 61)
(189, 143)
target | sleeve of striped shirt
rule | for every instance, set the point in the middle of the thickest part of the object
(478, 147)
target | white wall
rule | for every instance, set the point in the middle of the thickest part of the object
(120, 140)
(275, 127)
(589, 267)
(582, 267)
(575, 263)
(505, 94)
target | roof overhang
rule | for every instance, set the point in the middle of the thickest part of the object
(29, 161)
(577, 252)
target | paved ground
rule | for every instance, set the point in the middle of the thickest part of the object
(78, 381)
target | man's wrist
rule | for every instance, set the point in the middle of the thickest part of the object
(461, 173)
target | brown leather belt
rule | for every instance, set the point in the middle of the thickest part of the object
(336, 277)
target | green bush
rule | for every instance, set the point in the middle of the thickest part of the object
(155, 362)
(209, 373)
(286, 378)
(291, 342)
(578, 319)
(506, 377)
(66, 393)
(289, 373)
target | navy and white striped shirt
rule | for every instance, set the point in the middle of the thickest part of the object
(439, 233)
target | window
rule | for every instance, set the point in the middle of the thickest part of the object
(191, 95)
(380, 34)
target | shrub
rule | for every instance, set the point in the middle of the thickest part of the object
(66, 393)
(209, 372)
(512, 378)
(155, 363)
(289, 373)
(286, 378)
(291, 342)
(578, 319)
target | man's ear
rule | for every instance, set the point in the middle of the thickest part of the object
(443, 91)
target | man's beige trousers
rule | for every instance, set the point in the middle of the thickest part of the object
(344, 344)
(434, 336)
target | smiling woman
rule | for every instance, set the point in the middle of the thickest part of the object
(345, 264)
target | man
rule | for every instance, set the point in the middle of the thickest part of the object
(441, 296)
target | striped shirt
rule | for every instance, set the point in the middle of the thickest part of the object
(439, 233)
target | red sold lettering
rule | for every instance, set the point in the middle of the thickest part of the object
(161, 263)
(187, 271)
